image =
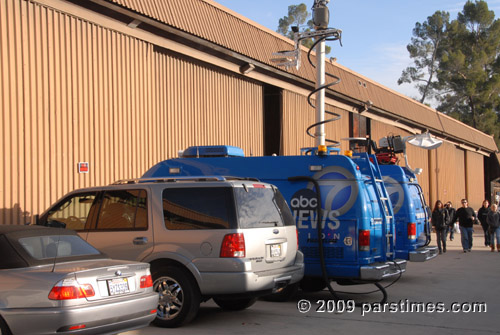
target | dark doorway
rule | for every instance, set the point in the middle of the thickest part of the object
(273, 106)
(359, 125)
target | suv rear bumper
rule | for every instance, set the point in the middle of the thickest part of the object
(264, 282)
(379, 271)
(423, 254)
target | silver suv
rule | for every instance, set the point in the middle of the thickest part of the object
(229, 239)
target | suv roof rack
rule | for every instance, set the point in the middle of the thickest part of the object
(179, 179)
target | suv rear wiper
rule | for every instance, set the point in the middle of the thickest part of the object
(274, 223)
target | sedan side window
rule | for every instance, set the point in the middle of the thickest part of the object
(73, 212)
(123, 210)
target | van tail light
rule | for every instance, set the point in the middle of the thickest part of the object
(70, 289)
(146, 281)
(412, 231)
(233, 246)
(364, 240)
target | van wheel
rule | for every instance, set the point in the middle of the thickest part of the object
(312, 284)
(178, 294)
(4, 329)
(237, 304)
(284, 294)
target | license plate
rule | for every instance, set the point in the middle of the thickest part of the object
(275, 250)
(118, 286)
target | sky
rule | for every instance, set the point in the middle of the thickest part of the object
(374, 33)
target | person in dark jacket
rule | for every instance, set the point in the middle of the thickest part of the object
(482, 215)
(439, 222)
(451, 223)
(466, 217)
(494, 227)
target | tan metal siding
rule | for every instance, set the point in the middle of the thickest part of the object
(72, 91)
(239, 34)
(475, 179)
(207, 107)
(448, 174)
(298, 115)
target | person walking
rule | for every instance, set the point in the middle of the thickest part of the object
(451, 224)
(439, 221)
(482, 215)
(466, 217)
(493, 220)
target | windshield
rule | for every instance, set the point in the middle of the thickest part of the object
(262, 207)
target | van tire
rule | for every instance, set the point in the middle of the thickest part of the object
(178, 294)
(237, 304)
(312, 284)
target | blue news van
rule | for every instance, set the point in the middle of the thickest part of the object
(413, 232)
(355, 242)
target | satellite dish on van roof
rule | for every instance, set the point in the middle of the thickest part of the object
(424, 141)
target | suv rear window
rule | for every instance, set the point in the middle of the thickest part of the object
(262, 207)
(198, 208)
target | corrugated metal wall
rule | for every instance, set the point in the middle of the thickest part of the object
(475, 179)
(239, 34)
(298, 115)
(72, 91)
(448, 174)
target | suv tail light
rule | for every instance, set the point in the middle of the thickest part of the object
(364, 240)
(70, 289)
(297, 233)
(412, 231)
(146, 281)
(233, 245)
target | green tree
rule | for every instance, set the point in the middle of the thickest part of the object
(469, 68)
(297, 16)
(457, 63)
(425, 49)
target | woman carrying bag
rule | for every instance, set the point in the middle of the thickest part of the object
(494, 227)
(439, 222)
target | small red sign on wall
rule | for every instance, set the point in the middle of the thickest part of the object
(83, 167)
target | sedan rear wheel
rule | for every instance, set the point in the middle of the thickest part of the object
(179, 297)
(4, 330)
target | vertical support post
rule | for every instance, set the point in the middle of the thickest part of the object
(320, 94)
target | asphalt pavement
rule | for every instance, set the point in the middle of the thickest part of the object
(455, 293)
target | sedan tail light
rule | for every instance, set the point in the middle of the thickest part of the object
(233, 245)
(70, 289)
(146, 281)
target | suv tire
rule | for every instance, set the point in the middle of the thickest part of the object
(238, 304)
(178, 294)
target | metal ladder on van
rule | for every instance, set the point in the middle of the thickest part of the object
(375, 178)
(385, 202)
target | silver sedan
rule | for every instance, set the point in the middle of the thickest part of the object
(53, 282)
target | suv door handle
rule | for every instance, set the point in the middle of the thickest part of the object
(140, 240)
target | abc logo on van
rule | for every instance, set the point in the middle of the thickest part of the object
(339, 189)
